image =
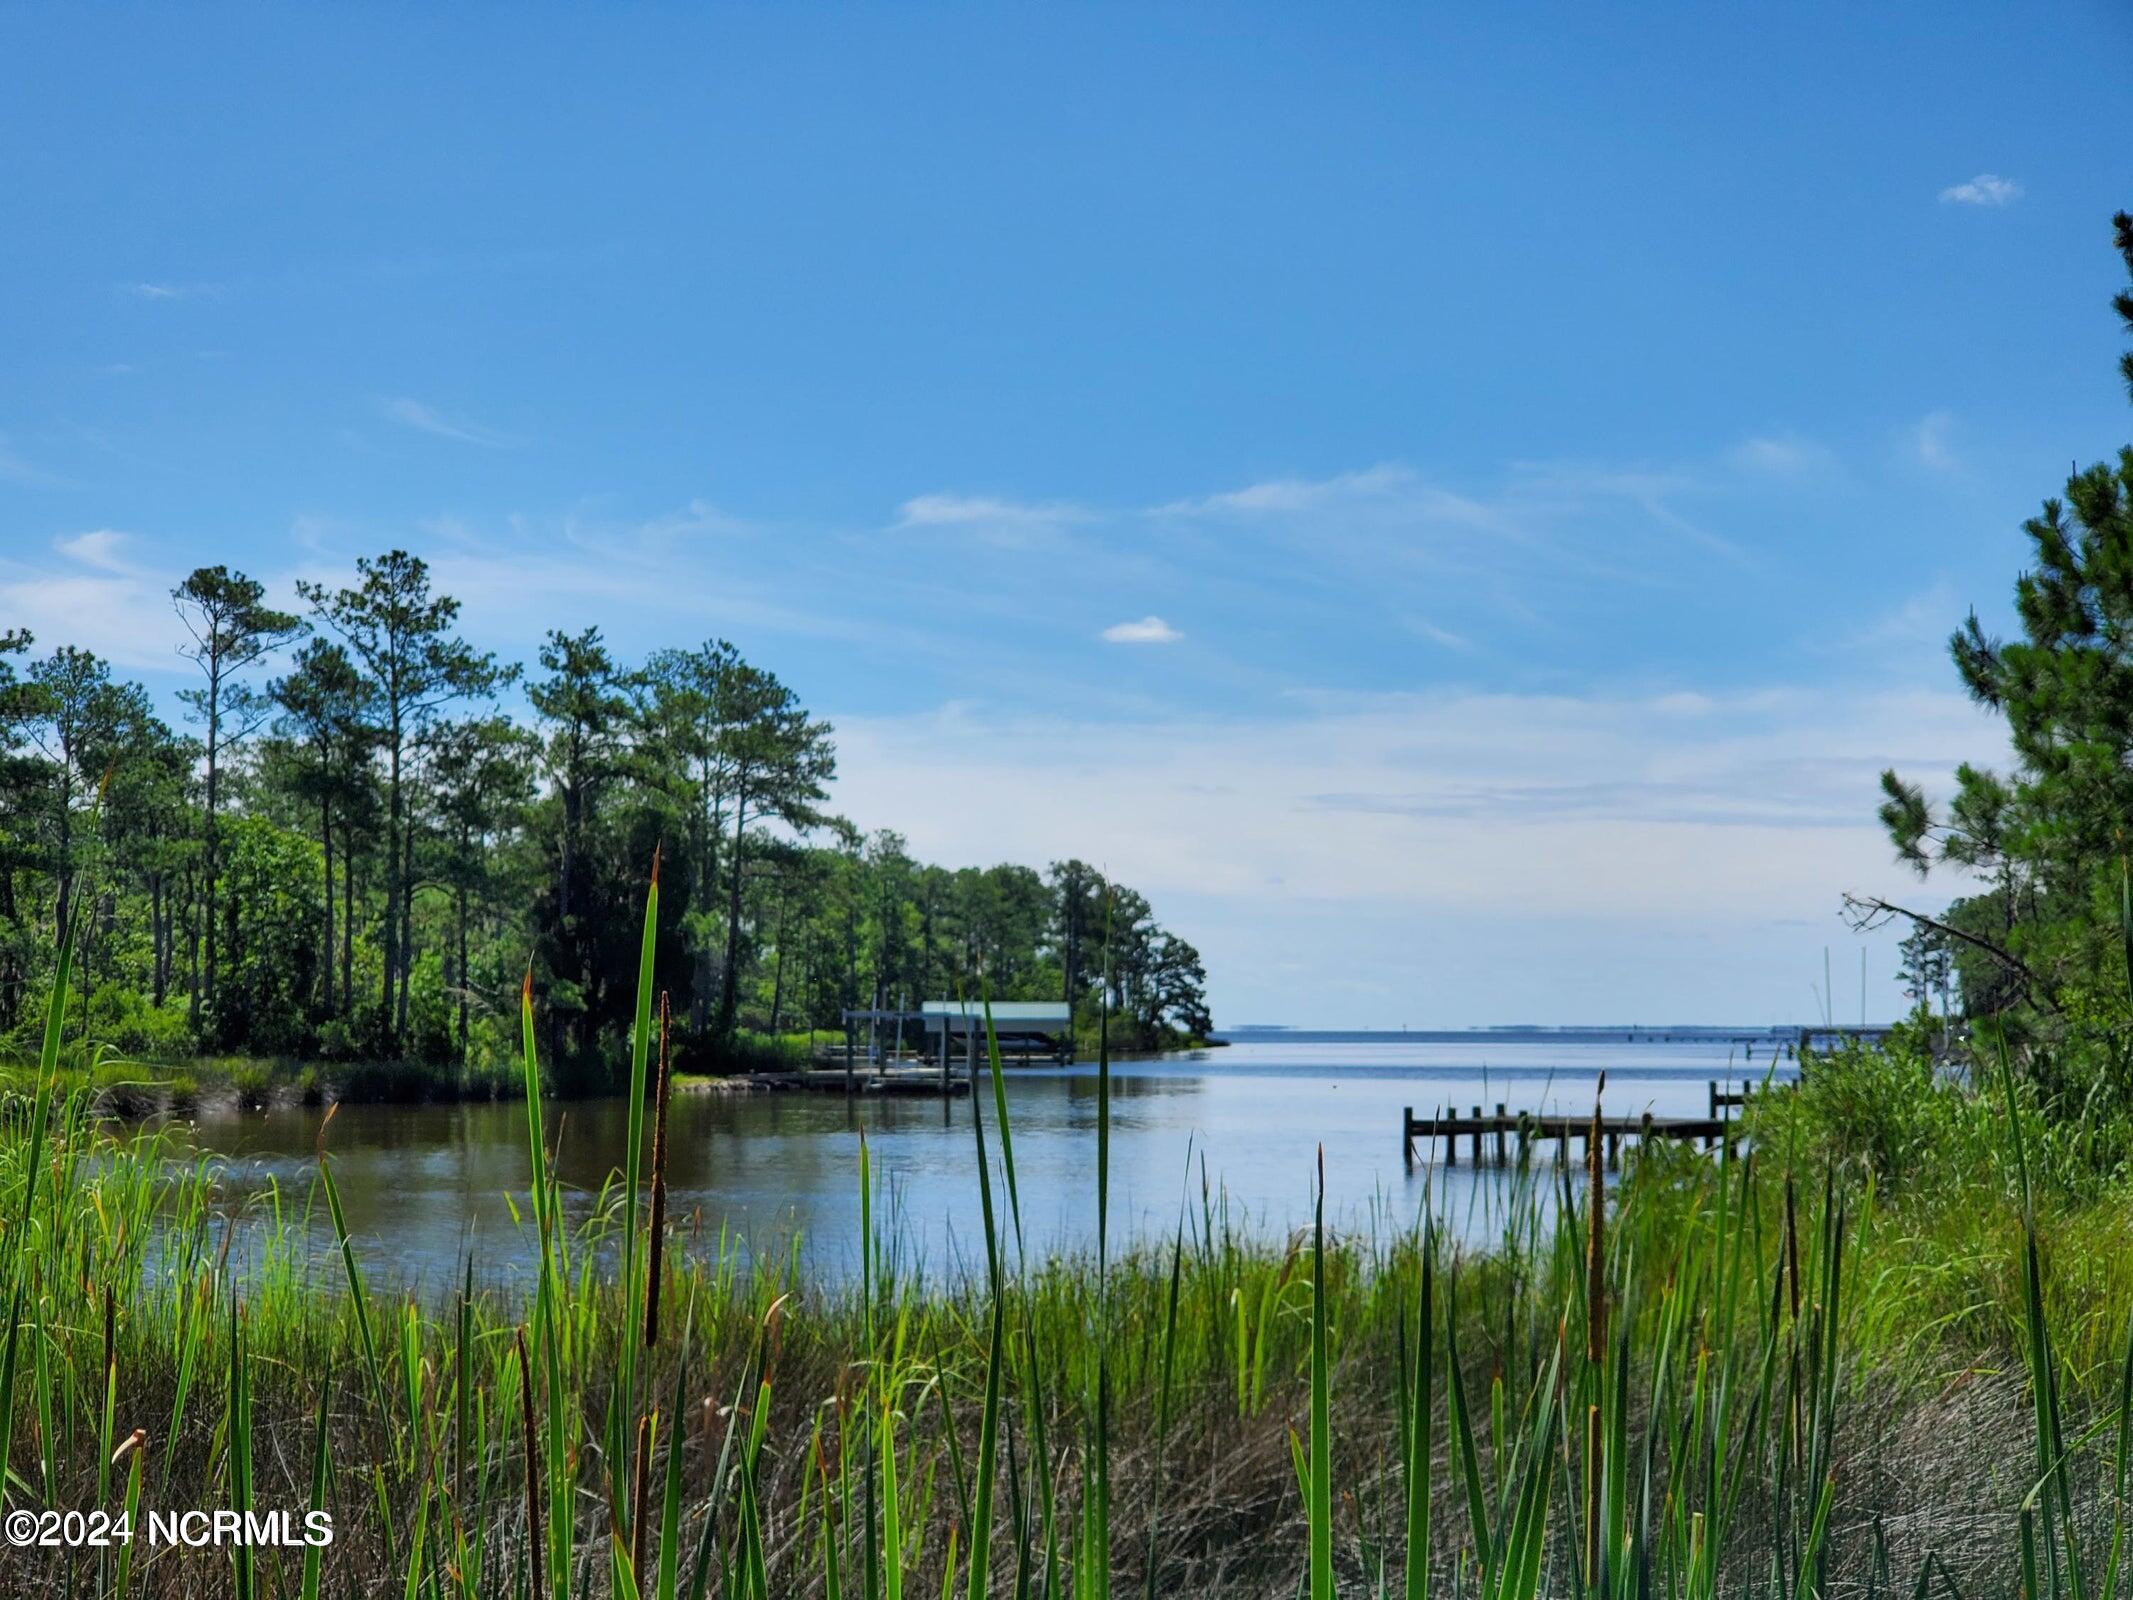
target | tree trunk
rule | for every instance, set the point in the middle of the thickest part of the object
(728, 1002)
(392, 882)
(566, 902)
(230, 934)
(155, 936)
(777, 971)
(851, 956)
(232, 947)
(348, 919)
(163, 939)
(707, 881)
(325, 971)
(86, 965)
(407, 929)
(192, 955)
(465, 847)
(66, 841)
(209, 862)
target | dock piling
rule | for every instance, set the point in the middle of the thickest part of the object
(1500, 1136)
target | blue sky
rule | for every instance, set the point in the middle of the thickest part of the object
(1457, 507)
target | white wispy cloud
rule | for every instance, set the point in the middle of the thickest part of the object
(667, 577)
(101, 591)
(960, 510)
(1536, 498)
(428, 419)
(1290, 496)
(1931, 439)
(105, 549)
(1986, 189)
(1387, 521)
(1574, 487)
(1479, 825)
(1443, 637)
(1516, 788)
(1527, 549)
(1148, 630)
(1466, 557)
(994, 520)
(1780, 455)
(174, 291)
(1909, 633)
(694, 520)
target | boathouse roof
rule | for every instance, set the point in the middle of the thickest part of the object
(1008, 1016)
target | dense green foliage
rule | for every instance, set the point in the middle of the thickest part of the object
(356, 853)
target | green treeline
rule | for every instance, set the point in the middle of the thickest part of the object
(351, 851)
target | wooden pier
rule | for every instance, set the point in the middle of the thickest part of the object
(1505, 1138)
(920, 1082)
(1018, 1029)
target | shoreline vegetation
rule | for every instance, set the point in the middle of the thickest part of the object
(1893, 1342)
(126, 1089)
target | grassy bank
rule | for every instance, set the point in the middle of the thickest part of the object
(126, 1086)
(122, 1087)
(1772, 1375)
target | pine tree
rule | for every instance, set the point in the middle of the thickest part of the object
(232, 629)
(2050, 835)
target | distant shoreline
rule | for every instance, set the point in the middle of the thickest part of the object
(1515, 1033)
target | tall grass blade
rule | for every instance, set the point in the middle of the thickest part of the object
(1320, 1510)
(1420, 1416)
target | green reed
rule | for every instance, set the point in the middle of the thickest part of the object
(1642, 1389)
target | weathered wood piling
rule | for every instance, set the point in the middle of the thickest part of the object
(1504, 1137)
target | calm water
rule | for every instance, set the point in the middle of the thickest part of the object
(423, 1184)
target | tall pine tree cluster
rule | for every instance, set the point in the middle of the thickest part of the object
(350, 849)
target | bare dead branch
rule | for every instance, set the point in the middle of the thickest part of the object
(1870, 911)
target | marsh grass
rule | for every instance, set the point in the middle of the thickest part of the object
(1714, 1378)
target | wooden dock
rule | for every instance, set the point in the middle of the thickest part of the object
(1505, 1138)
(919, 1082)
